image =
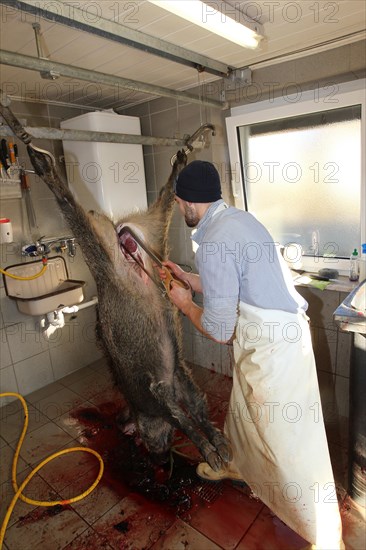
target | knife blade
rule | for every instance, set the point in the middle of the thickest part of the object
(170, 277)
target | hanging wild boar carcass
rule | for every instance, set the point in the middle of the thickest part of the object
(138, 327)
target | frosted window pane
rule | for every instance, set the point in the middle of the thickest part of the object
(304, 184)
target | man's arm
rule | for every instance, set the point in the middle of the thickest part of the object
(182, 298)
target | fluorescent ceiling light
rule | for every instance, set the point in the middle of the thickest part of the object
(209, 18)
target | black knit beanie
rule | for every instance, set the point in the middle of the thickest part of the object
(199, 181)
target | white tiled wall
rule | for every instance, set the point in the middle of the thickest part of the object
(29, 360)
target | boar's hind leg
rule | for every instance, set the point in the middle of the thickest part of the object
(196, 405)
(167, 399)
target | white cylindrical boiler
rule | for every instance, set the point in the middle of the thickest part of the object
(107, 177)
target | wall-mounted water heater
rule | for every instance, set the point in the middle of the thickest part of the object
(103, 176)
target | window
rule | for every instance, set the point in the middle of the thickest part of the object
(297, 165)
(301, 174)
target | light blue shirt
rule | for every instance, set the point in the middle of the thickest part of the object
(237, 260)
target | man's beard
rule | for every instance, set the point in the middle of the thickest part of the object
(190, 216)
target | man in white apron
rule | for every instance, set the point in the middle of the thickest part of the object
(274, 422)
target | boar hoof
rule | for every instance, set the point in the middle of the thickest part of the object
(225, 452)
(214, 461)
(222, 446)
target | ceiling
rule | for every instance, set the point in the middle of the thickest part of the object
(290, 29)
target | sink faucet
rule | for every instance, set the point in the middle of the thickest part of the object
(42, 247)
(71, 247)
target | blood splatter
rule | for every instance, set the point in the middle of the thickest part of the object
(128, 466)
(122, 526)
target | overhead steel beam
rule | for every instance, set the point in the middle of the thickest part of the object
(25, 133)
(60, 69)
(70, 15)
(88, 135)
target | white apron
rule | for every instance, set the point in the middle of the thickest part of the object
(276, 427)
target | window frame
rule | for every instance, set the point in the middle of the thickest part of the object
(330, 96)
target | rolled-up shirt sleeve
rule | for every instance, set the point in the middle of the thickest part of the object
(219, 317)
(220, 276)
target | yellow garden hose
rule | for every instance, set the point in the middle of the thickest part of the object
(19, 490)
(26, 278)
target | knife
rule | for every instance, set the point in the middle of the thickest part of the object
(170, 277)
(12, 153)
(16, 155)
(2, 169)
(4, 155)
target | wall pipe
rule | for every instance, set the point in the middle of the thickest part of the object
(25, 134)
(87, 135)
(78, 307)
(56, 319)
(60, 69)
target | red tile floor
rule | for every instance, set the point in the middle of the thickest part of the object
(135, 506)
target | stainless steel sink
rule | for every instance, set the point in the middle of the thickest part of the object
(350, 315)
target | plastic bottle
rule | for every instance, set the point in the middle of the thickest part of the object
(363, 262)
(353, 268)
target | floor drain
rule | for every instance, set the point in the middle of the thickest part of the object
(208, 491)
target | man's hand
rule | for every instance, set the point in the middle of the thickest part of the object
(190, 280)
(175, 269)
(168, 277)
(181, 297)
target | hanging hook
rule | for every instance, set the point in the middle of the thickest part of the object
(47, 75)
(191, 139)
(45, 152)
